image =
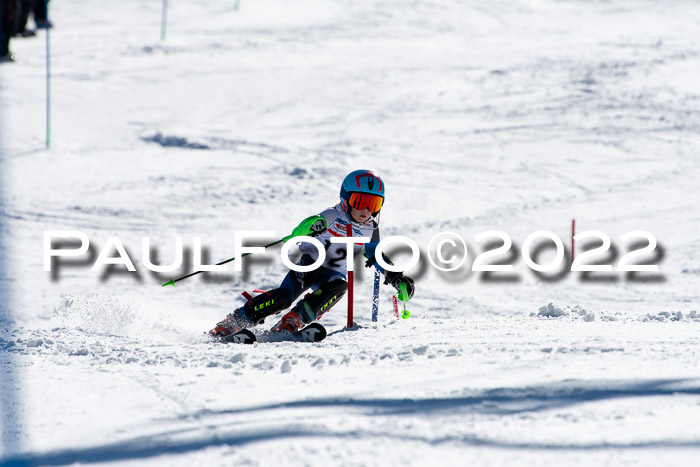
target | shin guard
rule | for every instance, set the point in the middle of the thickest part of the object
(261, 306)
(315, 304)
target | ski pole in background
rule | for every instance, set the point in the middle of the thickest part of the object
(48, 79)
(164, 20)
(348, 230)
(375, 297)
(404, 297)
(311, 226)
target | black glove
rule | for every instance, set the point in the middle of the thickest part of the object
(397, 278)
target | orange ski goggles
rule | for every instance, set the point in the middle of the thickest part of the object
(360, 201)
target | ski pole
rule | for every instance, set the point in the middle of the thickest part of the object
(172, 281)
(311, 226)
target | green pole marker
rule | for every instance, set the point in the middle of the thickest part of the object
(309, 227)
(404, 297)
(237, 4)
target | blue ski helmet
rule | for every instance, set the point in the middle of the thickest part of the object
(361, 183)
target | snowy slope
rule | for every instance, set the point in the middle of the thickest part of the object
(510, 115)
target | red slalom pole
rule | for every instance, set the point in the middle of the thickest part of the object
(573, 234)
(348, 229)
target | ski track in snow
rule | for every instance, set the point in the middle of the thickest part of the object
(508, 115)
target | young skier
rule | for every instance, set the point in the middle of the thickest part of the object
(361, 200)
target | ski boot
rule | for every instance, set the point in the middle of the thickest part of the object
(233, 323)
(289, 322)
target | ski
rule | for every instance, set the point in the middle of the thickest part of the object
(244, 336)
(314, 332)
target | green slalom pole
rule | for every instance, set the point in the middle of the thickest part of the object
(311, 227)
(404, 297)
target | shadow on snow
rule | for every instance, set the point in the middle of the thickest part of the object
(504, 402)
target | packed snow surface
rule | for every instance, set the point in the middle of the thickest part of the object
(507, 115)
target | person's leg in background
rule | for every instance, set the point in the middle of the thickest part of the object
(7, 24)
